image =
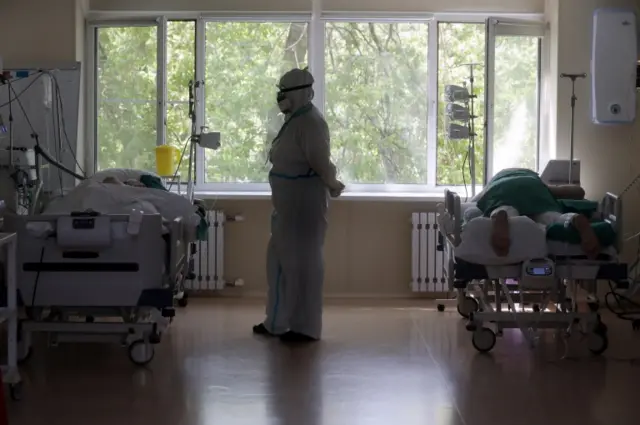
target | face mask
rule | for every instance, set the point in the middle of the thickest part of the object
(283, 103)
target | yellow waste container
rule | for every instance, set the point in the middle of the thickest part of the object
(167, 158)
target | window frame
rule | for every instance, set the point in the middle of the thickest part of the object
(316, 21)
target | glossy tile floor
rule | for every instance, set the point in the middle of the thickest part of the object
(401, 363)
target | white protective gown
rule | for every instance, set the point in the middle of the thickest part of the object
(300, 178)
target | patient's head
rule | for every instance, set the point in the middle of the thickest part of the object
(111, 180)
(567, 191)
(129, 182)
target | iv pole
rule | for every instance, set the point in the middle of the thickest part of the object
(472, 134)
(573, 78)
(470, 104)
(195, 137)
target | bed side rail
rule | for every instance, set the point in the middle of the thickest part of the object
(611, 210)
(178, 251)
(453, 216)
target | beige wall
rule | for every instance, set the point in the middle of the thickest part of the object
(609, 155)
(35, 32)
(368, 245)
(528, 6)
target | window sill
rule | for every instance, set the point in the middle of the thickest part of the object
(434, 196)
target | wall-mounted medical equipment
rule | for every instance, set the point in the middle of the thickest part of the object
(39, 153)
(614, 59)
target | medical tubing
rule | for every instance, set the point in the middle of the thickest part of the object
(35, 286)
(60, 104)
(45, 155)
(621, 312)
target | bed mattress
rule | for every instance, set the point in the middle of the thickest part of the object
(528, 240)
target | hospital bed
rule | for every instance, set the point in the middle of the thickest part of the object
(103, 264)
(539, 281)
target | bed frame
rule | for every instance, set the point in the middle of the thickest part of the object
(553, 306)
(123, 292)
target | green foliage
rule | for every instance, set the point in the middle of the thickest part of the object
(126, 97)
(376, 96)
(376, 101)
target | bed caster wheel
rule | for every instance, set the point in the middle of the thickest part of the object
(597, 343)
(440, 308)
(468, 306)
(471, 327)
(184, 301)
(154, 338)
(601, 328)
(483, 340)
(15, 391)
(24, 354)
(141, 353)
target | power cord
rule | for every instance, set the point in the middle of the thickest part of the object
(40, 74)
(60, 103)
(184, 149)
(464, 164)
(623, 312)
(35, 286)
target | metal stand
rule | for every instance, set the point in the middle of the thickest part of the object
(573, 78)
(472, 133)
(195, 136)
(9, 315)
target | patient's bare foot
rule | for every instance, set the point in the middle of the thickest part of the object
(500, 238)
(588, 238)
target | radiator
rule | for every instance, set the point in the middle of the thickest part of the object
(427, 263)
(208, 261)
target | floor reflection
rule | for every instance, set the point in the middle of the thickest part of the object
(377, 365)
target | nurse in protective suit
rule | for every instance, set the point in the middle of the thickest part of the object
(302, 179)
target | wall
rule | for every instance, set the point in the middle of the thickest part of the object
(368, 247)
(368, 244)
(528, 6)
(33, 32)
(367, 253)
(609, 155)
(48, 45)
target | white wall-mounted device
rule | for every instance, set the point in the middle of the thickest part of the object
(614, 58)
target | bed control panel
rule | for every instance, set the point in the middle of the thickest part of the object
(82, 232)
(538, 273)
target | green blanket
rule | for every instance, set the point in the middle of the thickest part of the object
(583, 206)
(561, 233)
(518, 188)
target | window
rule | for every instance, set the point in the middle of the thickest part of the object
(376, 101)
(380, 84)
(126, 96)
(243, 62)
(516, 114)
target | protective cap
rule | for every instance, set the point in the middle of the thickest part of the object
(296, 78)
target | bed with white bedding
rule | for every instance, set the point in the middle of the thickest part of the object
(105, 251)
(479, 276)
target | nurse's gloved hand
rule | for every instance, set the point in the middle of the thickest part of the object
(337, 189)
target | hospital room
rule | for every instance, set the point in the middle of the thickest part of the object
(319, 212)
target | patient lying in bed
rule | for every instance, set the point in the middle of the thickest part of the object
(520, 192)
